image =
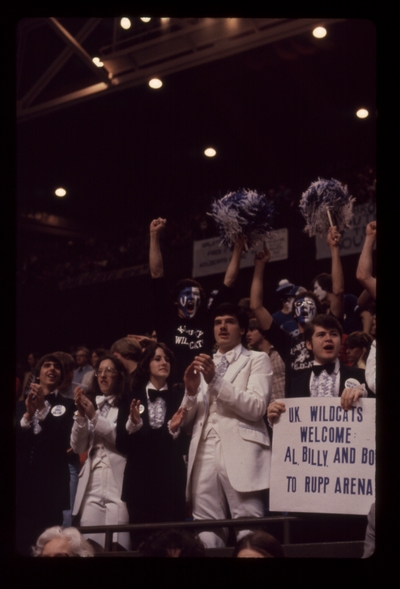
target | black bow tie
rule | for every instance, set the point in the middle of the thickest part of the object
(318, 368)
(153, 394)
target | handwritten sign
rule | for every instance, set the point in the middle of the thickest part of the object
(211, 258)
(352, 239)
(323, 458)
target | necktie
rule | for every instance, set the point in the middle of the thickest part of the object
(153, 394)
(222, 366)
(318, 368)
(104, 405)
(104, 411)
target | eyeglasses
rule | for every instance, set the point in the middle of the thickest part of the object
(107, 371)
(301, 302)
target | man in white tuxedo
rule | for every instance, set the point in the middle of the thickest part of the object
(229, 456)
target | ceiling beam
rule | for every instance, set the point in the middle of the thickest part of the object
(147, 59)
(78, 49)
(57, 64)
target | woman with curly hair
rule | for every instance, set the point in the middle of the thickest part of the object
(98, 497)
(148, 431)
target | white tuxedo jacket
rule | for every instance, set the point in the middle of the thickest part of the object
(82, 439)
(242, 396)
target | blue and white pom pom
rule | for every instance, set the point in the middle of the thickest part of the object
(244, 212)
(326, 203)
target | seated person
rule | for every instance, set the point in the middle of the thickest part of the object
(173, 544)
(58, 541)
(258, 545)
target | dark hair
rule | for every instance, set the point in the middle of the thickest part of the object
(158, 544)
(235, 311)
(67, 361)
(324, 280)
(142, 372)
(254, 324)
(50, 358)
(262, 543)
(185, 283)
(83, 349)
(128, 348)
(94, 388)
(307, 295)
(99, 352)
(327, 321)
(358, 339)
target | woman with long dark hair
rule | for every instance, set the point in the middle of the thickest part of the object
(98, 497)
(148, 431)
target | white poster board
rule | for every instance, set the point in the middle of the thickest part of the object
(323, 458)
(352, 239)
(211, 258)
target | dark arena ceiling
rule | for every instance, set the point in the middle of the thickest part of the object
(277, 104)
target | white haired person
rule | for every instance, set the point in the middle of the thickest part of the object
(58, 541)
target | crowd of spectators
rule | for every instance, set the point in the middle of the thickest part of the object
(47, 259)
(127, 397)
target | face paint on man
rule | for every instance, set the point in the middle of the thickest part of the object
(305, 310)
(189, 301)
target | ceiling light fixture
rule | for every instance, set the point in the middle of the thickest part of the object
(362, 113)
(125, 23)
(319, 32)
(155, 83)
(60, 192)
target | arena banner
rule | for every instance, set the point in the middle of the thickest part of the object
(323, 458)
(353, 239)
(211, 258)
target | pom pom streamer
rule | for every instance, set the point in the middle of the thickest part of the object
(244, 212)
(326, 203)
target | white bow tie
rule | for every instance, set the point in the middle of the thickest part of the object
(101, 399)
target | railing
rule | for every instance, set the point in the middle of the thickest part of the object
(258, 522)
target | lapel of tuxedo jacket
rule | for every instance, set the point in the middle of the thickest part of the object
(300, 385)
(238, 365)
(349, 372)
(143, 401)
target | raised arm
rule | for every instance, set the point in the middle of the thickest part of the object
(337, 298)
(364, 268)
(233, 268)
(155, 256)
(263, 316)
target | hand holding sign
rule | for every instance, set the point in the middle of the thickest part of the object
(274, 410)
